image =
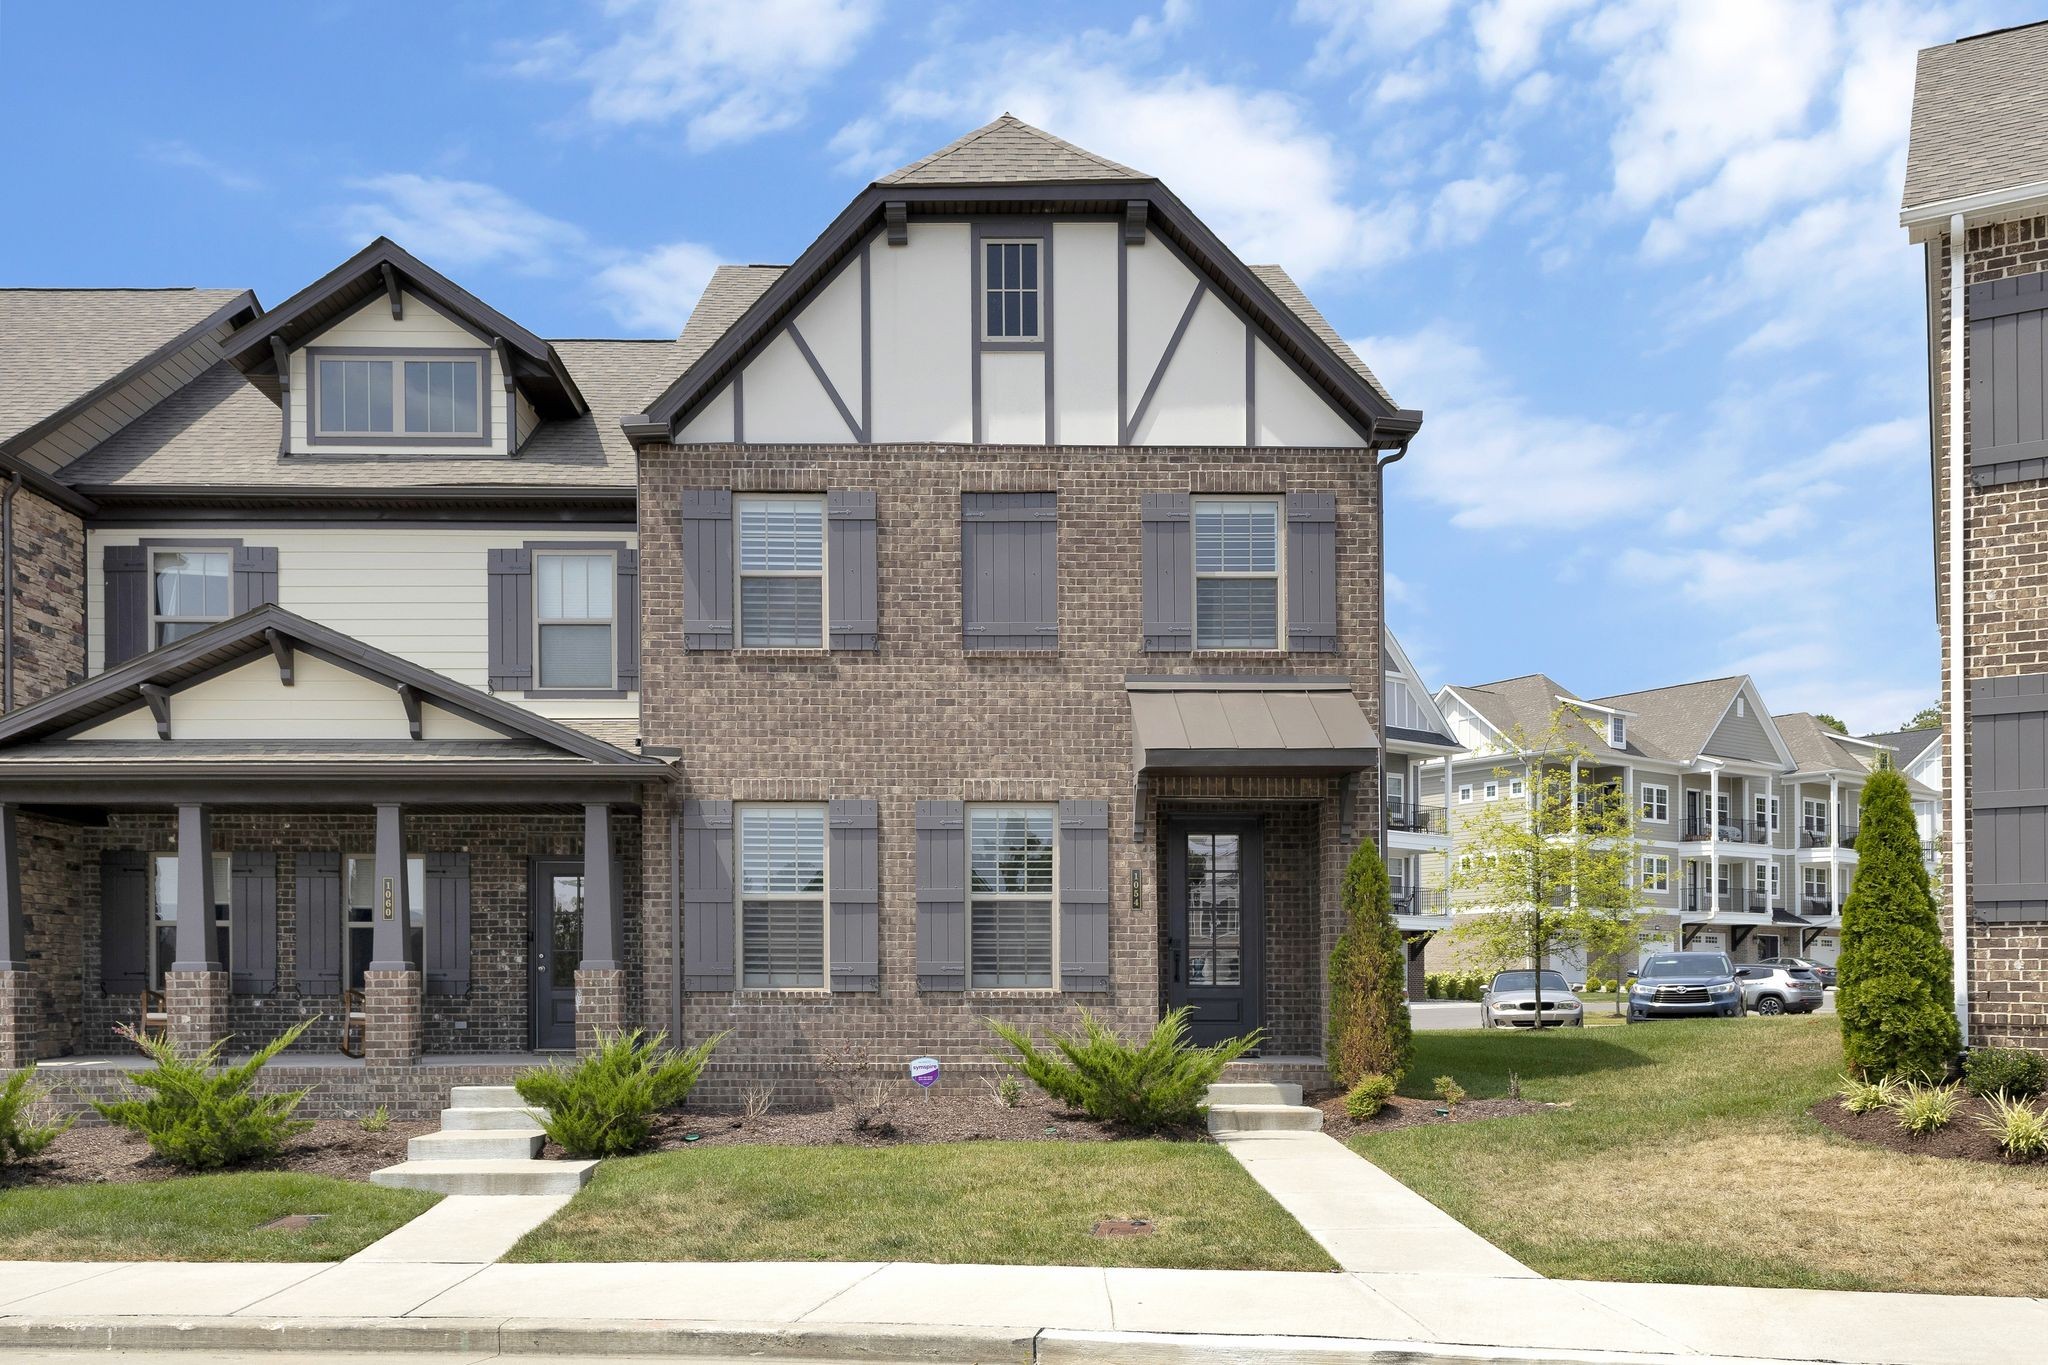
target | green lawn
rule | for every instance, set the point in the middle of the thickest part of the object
(1687, 1156)
(1013, 1203)
(200, 1218)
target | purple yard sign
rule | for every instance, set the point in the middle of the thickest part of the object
(925, 1071)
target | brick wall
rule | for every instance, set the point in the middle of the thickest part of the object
(49, 598)
(2005, 621)
(52, 901)
(918, 719)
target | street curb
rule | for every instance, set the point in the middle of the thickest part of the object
(1060, 1346)
(302, 1335)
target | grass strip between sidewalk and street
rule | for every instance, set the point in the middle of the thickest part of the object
(201, 1218)
(1009, 1203)
(1688, 1156)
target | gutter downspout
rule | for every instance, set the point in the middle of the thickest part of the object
(1380, 591)
(7, 603)
(1959, 809)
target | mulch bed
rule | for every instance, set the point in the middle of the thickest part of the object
(1963, 1139)
(1402, 1112)
(103, 1154)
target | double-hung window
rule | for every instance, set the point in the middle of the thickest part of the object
(574, 618)
(1814, 817)
(1009, 286)
(163, 895)
(1493, 791)
(189, 591)
(1010, 897)
(782, 897)
(358, 927)
(1617, 732)
(1656, 803)
(1814, 882)
(1766, 884)
(1465, 794)
(781, 572)
(427, 397)
(1237, 573)
(1397, 795)
(1656, 873)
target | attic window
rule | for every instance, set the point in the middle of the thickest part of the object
(1009, 286)
(1617, 732)
(426, 395)
(1740, 710)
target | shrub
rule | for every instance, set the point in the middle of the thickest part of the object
(1009, 1091)
(1450, 1092)
(1368, 1030)
(203, 1116)
(1369, 1096)
(604, 1104)
(1150, 1086)
(1862, 1097)
(1894, 983)
(21, 1137)
(2006, 1071)
(376, 1121)
(2021, 1130)
(1433, 985)
(1926, 1109)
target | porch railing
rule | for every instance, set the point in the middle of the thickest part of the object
(1818, 905)
(1407, 818)
(1813, 836)
(1421, 901)
(1729, 831)
(1733, 902)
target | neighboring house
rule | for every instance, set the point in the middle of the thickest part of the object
(1746, 821)
(1418, 846)
(1976, 198)
(936, 672)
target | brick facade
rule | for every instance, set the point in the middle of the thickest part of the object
(2005, 624)
(197, 1003)
(49, 598)
(17, 1020)
(921, 719)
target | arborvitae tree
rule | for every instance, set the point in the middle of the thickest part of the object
(1894, 984)
(1368, 1017)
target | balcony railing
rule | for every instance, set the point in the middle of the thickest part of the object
(1728, 831)
(1421, 901)
(1848, 835)
(1697, 901)
(1820, 906)
(1813, 836)
(1410, 819)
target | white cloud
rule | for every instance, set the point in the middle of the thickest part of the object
(181, 155)
(1359, 31)
(1465, 209)
(727, 70)
(1508, 35)
(655, 290)
(459, 223)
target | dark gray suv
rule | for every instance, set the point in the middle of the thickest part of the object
(1673, 985)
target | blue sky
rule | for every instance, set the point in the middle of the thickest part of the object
(1638, 262)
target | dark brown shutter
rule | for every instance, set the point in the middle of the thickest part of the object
(941, 896)
(445, 884)
(2008, 365)
(1009, 570)
(255, 577)
(2009, 799)
(850, 560)
(316, 894)
(628, 617)
(1168, 548)
(125, 602)
(707, 896)
(1312, 572)
(124, 920)
(1084, 895)
(252, 921)
(511, 620)
(855, 894)
(707, 568)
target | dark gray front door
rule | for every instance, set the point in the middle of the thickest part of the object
(557, 949)
(1215, 903)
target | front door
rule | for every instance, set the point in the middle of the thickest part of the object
(1215, 903)
(557, 938)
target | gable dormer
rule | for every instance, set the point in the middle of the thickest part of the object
(385, 356)
(1745, 731)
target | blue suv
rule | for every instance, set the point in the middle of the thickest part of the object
(1673, 985)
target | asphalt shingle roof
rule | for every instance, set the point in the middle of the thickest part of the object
(1680, 719)
(1980, 116)
(1009, 151)
(57, 345)
(1908, 744)
(1526, 704)
(1816, 747)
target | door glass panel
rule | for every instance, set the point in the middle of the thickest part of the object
(1215, 908)
(567, 917)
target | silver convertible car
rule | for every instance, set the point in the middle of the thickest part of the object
(1510, 1002)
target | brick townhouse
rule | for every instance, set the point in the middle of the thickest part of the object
(980, 616)
(1976, 198)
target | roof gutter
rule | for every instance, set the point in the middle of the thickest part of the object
(1959, 806)
(1924, 222)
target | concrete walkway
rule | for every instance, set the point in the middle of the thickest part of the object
(1364, 1218)
(894, 1311)
(464, 1229)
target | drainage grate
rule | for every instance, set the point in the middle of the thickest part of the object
(1123, 1227)
(292, 1222)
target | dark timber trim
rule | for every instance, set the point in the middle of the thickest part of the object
(1180, 329)
(281, 650)
(409, 698)
(159, 702)
(393, 292)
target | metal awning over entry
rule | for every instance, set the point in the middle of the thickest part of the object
(1248, 726)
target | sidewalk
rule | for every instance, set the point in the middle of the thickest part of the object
(938, 1313)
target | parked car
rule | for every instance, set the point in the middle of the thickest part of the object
(1823, 972)
(1673, 985)
(1770, 989)
(1510, 1002)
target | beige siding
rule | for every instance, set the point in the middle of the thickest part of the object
(323, 703)
(373, 325)
(1742, 736)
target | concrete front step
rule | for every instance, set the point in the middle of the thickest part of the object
(487, 1177)
(503, 1144)
(1264, 1118)
(1254, 1092)
(484, 1120)
(484, 1097)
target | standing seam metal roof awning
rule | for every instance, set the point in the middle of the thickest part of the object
(1253, 725)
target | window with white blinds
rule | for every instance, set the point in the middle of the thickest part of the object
(782, 896)
(573, 616)
(781, 572)
(1010, 897)
(1237, 573)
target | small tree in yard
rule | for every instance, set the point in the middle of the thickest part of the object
(1368, 1015)
(1893, 977)
(1553, 872)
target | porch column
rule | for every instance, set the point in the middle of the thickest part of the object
(601, 975)
(1714, 838)
(196, 986)
(17, 989)
(1834, 844)
(392, 984)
